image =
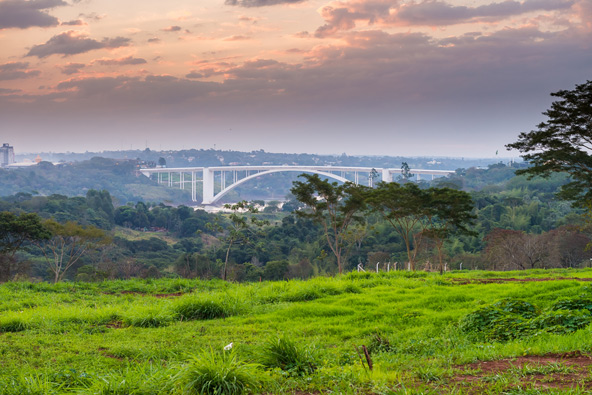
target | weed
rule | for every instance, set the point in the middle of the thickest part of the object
(200, 310)
(148, 318)
(218, 374)
(541, 369)
(429, 374)
(517, 306)
(13, 325)
(141, 379)
(562, 321)
(379, 343)
(283, 353)
(572, 304)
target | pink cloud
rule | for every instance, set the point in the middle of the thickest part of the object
(72, 43)
(345, 15)
(16, 71)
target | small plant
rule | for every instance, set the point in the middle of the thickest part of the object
(511, 319)
(13, 325)
(518, 307)
(562, 321)
(72, 379)
(200, 310)
(218, 374)
(149, 318)
(572, 304)
(137, 378)
(540, 369)
(379, 343)
(281, 352)
(428, 374)
(29, 383)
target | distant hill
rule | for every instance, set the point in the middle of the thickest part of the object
(73, 174)
(210, 157)
(119, 177)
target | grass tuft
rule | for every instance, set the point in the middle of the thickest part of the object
(283, 353)
(218, 374)
(200, 310)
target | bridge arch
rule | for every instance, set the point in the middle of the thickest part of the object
(252, 176)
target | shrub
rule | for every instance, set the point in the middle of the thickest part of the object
(517, 306)
(13, 325)
(480, 320)
(511, 319)
(562, 321)
(379, 343)
(281, 352)
(148, 318)
(572, 304)
(200, 310)
(219, 374)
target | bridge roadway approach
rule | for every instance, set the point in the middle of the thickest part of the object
(218, 181)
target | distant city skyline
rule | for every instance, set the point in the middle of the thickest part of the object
(446, 78)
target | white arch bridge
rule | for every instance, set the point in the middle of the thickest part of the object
(218, 181)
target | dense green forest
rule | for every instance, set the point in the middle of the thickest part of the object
(519, 224)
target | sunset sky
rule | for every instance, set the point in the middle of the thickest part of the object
(394, 77)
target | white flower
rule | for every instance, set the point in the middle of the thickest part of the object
(228, 347)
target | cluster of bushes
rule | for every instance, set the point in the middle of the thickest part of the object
(510, 319)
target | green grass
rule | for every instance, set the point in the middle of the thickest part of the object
(167, 335)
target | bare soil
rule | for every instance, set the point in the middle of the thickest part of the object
(475, 378)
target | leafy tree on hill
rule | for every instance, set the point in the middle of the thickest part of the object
(334, 206)
(242, 230)
(406, 208)
(450, 211)
(68, 243)
(15, 232)
(563, 143)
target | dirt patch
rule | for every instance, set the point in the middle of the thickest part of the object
(168, 295)
(464, 281)
(552, 371)
(114, 325)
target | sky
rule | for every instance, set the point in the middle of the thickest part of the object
(457, 78)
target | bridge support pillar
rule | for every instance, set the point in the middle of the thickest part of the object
(387, 176)
(208, 185)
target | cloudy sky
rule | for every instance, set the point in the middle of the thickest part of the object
(398, 77)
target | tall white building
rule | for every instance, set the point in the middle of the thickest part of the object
(6, 155)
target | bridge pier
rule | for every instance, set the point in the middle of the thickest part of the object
(208, 186)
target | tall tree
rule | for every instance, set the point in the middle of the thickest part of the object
(335, 207)
(242, 230)
(563, 143)
(405, 172)
(449, 211)
(15, 232)
(70, 241)
(406, 208)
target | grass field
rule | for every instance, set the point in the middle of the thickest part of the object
(464, 332)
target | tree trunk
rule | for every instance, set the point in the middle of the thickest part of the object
(5, 263)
